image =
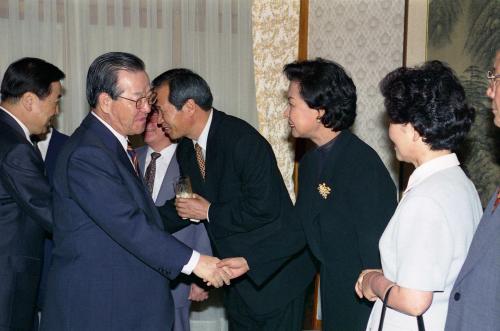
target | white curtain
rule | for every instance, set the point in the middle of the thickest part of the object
(211, 37)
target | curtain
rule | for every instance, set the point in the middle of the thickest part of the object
(211, 37)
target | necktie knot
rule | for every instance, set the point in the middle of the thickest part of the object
(200, 159)
(155, 155)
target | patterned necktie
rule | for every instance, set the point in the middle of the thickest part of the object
(133, 156)
(200, 159)
(149, 177)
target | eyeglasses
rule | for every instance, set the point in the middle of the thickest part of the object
(492, 77)
(149, 99)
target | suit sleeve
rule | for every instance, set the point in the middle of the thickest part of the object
(374, 195)
(170, 218)
(258, 201)
(97, 187)
(22, 173)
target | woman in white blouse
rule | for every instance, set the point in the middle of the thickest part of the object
(426, 241)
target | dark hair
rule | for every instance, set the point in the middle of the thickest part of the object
(430, 98)
(29, 75)
(183, 85)
(325, 85)
(103, 74)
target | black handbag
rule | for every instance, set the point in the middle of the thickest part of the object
(420, 320)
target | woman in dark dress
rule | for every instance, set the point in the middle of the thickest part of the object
(346, 196)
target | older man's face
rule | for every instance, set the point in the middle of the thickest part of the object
(124, 116)
(493, 91)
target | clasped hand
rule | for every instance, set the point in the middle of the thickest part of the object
(363, 286)
(217, 273)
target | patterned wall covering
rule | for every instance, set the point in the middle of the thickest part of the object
(366, 37)
(465, 35)
(275, 43)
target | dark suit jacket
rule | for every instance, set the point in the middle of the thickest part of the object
(112, 260)
(57, 140)
(474, 302)
(250, 209)
(343, 230)
(25, 212)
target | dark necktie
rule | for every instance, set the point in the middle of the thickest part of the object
(133, 156)
(200, 159)
(34, 141)
(149, 177)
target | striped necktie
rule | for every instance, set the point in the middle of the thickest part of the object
(133, 156)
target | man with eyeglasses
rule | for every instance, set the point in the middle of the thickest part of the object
(113, 261)
(475, 299)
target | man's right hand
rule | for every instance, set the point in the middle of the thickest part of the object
(236, 266)
(207, 270)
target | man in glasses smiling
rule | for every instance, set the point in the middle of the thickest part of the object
(113, 261)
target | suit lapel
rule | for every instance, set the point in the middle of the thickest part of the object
(141, 157)
(167, 185)
(110, 142)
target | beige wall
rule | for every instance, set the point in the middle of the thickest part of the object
(366, 37)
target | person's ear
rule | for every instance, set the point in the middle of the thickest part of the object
(189, 107)
(104, 102)
(27, 100)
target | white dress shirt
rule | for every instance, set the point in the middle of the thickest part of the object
(162, 164)
(195, 257)
(43, 145)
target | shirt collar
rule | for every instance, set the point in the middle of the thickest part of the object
(429, 168)
(203, 138)
(121, 138)
(167, 150)
(21, 124)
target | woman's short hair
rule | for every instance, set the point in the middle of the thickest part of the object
(430, 98)
(325, 85)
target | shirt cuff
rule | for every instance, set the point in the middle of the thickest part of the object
(208, 212)
(193, 261)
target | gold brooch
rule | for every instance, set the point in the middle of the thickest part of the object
(324, 190)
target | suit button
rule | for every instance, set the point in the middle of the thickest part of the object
(456, 296)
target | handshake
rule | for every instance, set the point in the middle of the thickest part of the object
(216, 272)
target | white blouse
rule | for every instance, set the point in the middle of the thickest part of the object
(426, 241)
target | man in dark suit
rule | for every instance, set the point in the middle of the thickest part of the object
(161, 175)
(112, 260)
(243, 201)
(475, 299)
(30, 91)
(49, 145)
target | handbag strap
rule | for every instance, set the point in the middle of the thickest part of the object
(420, 319)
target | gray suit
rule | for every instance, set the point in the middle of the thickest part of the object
(194, 236)
(475, 299)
